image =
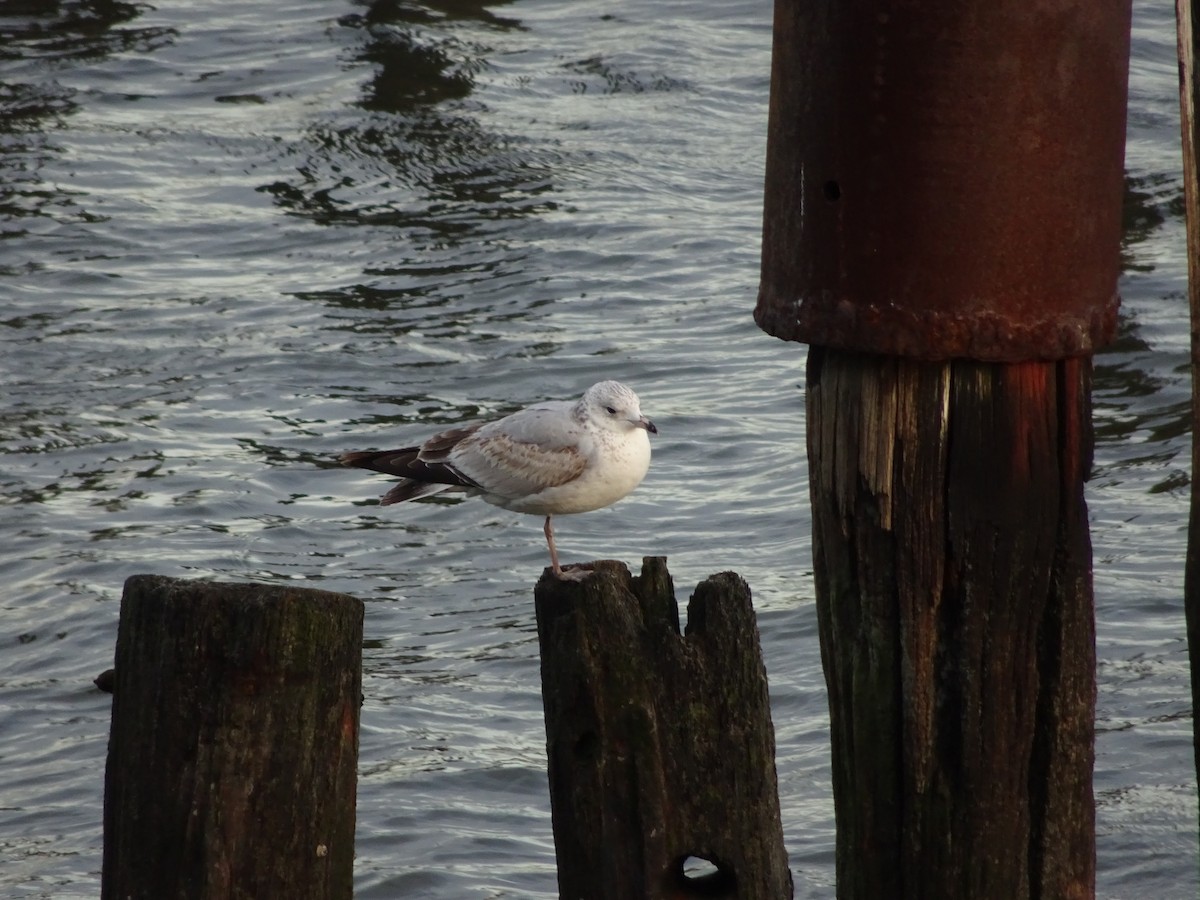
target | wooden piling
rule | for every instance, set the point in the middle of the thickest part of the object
(942, 223)
(234, 746)
(1186, 14)
(660, 745)
(953, 572)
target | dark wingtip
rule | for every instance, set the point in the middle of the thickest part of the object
(411, 489)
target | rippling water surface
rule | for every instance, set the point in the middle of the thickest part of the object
(237, 239)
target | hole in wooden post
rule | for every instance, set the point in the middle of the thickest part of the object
(833, 190)
(699, 876)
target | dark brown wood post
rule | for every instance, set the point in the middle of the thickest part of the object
(660, 745)
(1186, 14)
(942, 224)
(954, 600)
(232, 761)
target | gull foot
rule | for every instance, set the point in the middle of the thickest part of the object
(574, 572)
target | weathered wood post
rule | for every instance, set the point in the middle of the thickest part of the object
(232, 760)
(660, 745)
(1186, 14)
(942, 224)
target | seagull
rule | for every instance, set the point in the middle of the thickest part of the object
(549, 459)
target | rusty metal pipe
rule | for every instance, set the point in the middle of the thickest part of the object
(944, 178)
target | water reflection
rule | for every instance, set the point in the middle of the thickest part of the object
(598, 74)
(1148, 202)
(433, 12)
(411, 73)
(83, 31)
(1129, 371)
(40, 42)
(418, 160)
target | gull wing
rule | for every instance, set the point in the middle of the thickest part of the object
(523, 454)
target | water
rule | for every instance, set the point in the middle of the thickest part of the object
(238, 239)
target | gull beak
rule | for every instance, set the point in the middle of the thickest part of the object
(643, 422)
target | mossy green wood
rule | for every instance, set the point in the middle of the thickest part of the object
(660, 745)
(232, 760)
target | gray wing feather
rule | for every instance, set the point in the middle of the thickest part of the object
(511, 468)
(513, 457)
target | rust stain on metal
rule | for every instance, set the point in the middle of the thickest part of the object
(944, 179)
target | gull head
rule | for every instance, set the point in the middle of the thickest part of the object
(614, 406)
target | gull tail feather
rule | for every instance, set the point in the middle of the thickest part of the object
(389, 462)
(411, 489)
(418, 477)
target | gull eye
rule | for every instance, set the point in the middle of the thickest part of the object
(611, 411)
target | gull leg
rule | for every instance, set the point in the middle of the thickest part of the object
(576, 573)
(549, 532)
